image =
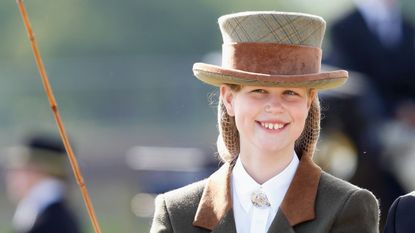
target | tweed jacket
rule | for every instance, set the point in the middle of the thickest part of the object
(315, 202)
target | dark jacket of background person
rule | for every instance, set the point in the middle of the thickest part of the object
(36, 179)
(56, 218)
(390, 69)
(401, 217)
(390, 73)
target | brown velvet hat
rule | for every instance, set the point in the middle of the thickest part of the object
(271, 49)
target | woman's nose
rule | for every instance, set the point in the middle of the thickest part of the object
(274, 105)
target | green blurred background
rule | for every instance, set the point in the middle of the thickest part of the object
(121, 72)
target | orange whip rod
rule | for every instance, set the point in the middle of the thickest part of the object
(53, 105)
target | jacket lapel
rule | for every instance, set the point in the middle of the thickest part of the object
(215, 207)
(298, 204)
(216, 202)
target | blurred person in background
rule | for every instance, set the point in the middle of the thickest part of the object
(36, 179)
(401, 216)
(269, 124)
(377, 41)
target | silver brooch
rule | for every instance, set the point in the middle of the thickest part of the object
(259, 199)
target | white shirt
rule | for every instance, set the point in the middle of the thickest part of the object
(248, 218)
(41, 196)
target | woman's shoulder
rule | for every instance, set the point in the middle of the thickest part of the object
(177, 208)
(335, 190)
(400, 216)
(347, 207)
(410, 197)
(187, 195)
(405, 203)
(338, 186)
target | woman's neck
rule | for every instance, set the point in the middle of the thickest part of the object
(263, 165)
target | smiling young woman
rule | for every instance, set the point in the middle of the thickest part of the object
(269, 124)
(269, 121)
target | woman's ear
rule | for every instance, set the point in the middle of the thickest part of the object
(311, 96)
(227, 94)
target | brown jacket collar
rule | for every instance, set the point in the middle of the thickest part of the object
(297, 206)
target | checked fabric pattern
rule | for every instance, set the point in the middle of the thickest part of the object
(294, 29)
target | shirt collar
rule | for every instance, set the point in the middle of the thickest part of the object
(275, 188)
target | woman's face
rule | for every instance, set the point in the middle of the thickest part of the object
(268, 119)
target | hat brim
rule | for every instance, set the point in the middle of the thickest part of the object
(217, 75)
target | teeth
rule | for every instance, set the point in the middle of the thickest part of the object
(272, 126)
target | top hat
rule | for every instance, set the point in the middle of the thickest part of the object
(271, 49)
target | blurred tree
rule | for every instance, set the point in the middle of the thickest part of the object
(129, 27)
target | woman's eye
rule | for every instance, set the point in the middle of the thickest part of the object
(261, 91)
(290, 92)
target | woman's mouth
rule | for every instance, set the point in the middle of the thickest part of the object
(272, 126)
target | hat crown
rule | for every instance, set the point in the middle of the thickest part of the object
(273, 27)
